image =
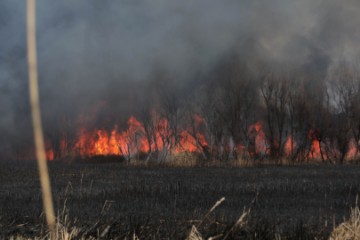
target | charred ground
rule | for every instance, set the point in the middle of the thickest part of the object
(158, 203)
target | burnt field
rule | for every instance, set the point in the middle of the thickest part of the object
(301, 202)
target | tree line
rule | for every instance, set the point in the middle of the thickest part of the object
(235, 112)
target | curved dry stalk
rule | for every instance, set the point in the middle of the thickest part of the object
(36, 117)
(211, 210)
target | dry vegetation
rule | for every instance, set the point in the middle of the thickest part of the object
(349, 229)
(114, 201)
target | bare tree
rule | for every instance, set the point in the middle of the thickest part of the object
(275, 92)
(298, 121)
(210, 105)
(229, 103)
(344, 89)
(240, 105)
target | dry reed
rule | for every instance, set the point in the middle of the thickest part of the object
(240, 223)
(36, 116)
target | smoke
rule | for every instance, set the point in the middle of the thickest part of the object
(96, 55)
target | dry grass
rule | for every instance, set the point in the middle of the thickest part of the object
(64, 229)
(239, 224)
(194, 234)
(184, 160)
(177, 160)
(350, 229)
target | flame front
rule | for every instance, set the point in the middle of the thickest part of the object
(133, 140)
(136, 140)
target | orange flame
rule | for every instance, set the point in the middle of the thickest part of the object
(315, 149)
(289, 146)
(133, 140)
(353, 151)
(49, 152)
(260, 142)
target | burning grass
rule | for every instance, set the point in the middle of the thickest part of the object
(162, 142)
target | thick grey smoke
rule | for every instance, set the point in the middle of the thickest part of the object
(104, 51)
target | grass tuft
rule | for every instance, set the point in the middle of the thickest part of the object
(350, 229)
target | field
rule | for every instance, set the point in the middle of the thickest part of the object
(114, 201)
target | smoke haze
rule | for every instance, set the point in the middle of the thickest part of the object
(104, 59)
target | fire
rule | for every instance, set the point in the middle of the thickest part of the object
(353, 151)
(133, 140)
(315, 151)
(162, 137)
(49, 152)
(101, 142)
(315, 148)
(259, 143)
(289, 146)
(189, 144)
